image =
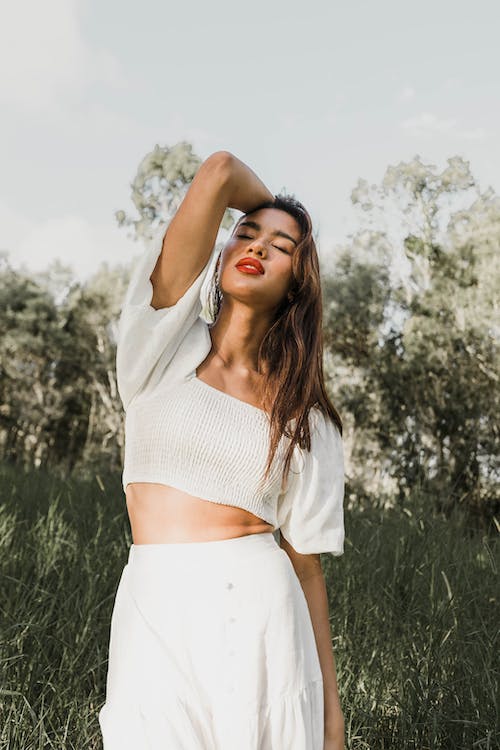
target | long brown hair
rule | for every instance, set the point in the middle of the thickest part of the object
(292, 348)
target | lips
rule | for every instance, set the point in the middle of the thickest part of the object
(253, 262)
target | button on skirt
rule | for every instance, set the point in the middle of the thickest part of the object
(212, 647)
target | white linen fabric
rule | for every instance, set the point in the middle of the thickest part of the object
(212, 648)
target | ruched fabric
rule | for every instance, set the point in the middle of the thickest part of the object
(212, 648)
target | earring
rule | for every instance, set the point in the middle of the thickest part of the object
(217, 289)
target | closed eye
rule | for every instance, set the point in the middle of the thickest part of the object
(246, 237)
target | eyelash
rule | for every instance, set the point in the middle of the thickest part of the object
(245, 236)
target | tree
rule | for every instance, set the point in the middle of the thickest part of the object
(423, 340)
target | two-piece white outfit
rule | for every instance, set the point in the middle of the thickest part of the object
(211, 643)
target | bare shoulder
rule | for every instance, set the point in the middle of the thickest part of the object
(192, 232)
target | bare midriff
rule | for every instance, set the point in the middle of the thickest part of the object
(161, 514)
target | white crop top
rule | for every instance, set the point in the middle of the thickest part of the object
(183, 432)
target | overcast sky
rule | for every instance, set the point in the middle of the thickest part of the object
(312, 95)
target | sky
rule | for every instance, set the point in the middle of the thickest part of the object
(311, 95)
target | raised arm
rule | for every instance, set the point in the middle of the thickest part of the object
(222, 181)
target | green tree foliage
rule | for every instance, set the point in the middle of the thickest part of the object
(59, 404)
(417, 349)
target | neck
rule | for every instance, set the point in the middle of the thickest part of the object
(236, 336)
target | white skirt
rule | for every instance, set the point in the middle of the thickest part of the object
(212, 648)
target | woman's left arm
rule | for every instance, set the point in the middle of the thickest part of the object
(310, 574)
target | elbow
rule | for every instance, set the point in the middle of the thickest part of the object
(222, 157)
(220, 161)
(305, 565)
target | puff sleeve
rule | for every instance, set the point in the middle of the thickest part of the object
(148, 338)
(310, 513)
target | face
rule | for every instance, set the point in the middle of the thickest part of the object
(269, 236)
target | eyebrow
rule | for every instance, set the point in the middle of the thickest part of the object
(276, 232)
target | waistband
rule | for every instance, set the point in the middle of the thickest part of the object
(240, 548)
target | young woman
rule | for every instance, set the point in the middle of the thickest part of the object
(220, 636)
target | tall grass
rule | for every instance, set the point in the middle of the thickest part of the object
(413, 603)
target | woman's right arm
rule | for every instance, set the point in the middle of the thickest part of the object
(222, 181)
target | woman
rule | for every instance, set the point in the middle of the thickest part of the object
(220, 636)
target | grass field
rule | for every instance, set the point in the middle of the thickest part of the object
(414, 619)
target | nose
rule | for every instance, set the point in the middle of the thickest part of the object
(258, 248)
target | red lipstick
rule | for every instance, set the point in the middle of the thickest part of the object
(250, 265)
